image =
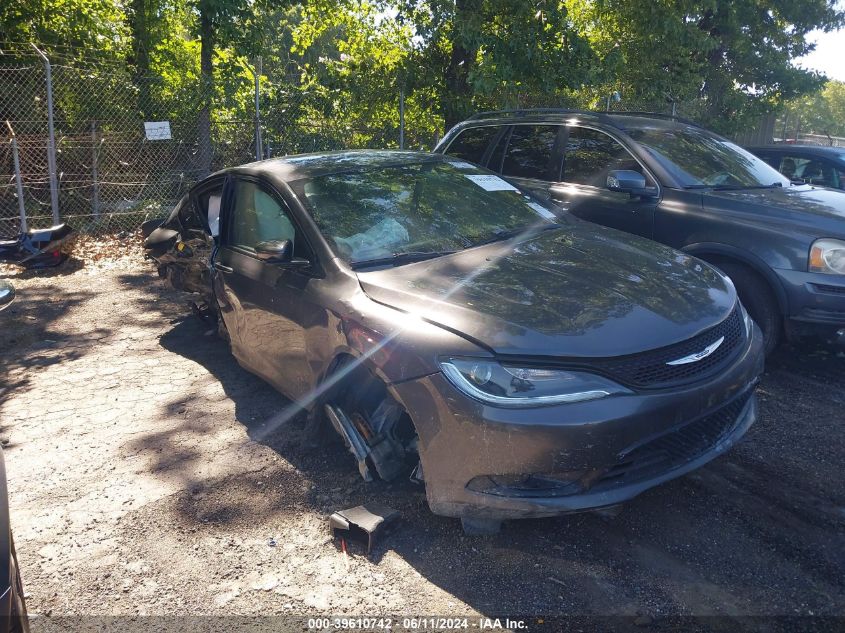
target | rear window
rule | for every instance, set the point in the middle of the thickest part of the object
(530, 152)
(472, 143)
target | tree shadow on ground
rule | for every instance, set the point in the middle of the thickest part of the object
(31, 337)
(68, 267)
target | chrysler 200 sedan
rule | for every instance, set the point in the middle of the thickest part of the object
(451, 328)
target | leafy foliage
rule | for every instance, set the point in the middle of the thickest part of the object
(817, 113)
(341, 64)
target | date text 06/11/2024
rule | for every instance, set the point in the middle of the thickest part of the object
(416, 624)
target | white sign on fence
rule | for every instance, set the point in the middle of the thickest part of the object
(157, 130)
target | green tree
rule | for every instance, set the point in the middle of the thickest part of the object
(481, 53)
(734, 57)
(821, 112)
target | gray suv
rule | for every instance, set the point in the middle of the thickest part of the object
(782, 244)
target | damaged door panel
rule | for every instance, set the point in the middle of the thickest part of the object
(182, 245)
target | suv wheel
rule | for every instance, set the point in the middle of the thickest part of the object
(759, 300)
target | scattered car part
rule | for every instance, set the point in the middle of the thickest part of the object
(362, 523)
(37, 248)
(7, 293)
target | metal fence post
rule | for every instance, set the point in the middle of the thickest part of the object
(259, 150)
(95, 185)
(18, 182)
(51, 141)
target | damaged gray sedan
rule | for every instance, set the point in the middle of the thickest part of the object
(452, 328)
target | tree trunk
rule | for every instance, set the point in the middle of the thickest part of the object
(204, 147)
(456, 103)
(140, 56)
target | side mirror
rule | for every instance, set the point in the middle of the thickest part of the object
(275, 251)
(7, 293)
(278, 252)
(626, 181)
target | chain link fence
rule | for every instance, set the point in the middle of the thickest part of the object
(110, 175)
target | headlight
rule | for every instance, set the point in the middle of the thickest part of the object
(512, 386)
(827, 256)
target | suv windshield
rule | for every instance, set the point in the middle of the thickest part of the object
(699, 159)
(417, 210)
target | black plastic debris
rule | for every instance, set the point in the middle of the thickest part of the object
(362, 523)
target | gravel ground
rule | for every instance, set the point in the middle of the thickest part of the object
(136, 487)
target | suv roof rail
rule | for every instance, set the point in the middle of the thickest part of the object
(529, 112)
(602, 116)
(655, 115)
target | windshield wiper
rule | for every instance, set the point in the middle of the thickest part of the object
(397, 259)
(506, 234)
(774, 185)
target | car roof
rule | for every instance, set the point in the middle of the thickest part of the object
(301, 166)
(821, 150)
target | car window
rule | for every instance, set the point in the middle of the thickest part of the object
(591, 154)
(190, 220)
(809, 170)
(530, 151)
(472, 143)
(422, 207)
(498, 153)
(208, 205)
(258, 216)
(699, 159)
(787, 165)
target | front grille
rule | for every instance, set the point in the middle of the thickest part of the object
(675, 448)
(650, 370)
(836, 290)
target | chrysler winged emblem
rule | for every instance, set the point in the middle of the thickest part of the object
(694, 358)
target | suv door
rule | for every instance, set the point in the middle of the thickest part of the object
(589, 155)
(264, 305)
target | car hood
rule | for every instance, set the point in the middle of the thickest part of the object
(819, 202)
(579, 291)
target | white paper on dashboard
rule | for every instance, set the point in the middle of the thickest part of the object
(543, 211)
(489, 182)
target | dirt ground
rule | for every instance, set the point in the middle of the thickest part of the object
(136, 487)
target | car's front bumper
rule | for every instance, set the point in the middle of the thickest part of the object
(815, 299)
(614, 448)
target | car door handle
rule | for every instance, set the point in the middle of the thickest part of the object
(223, 268)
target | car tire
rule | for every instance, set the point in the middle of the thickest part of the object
(18, 618)
(759, 300)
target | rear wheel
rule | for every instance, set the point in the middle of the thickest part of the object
(759, 300)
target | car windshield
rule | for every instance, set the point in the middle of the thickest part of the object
(698, 159)
(417, 210)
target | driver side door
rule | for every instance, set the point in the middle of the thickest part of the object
(265, 305)
(589, 156)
